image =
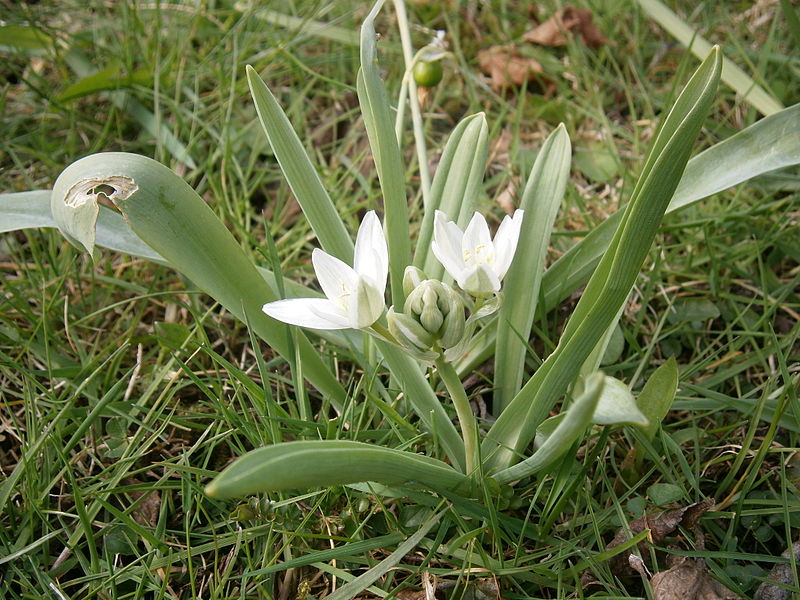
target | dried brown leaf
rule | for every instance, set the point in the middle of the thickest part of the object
(689, 580)
(147, 510)
(506, 67)
(782, 573)
(564, 22)
(660, 525)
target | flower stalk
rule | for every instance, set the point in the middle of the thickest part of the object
(466, 419)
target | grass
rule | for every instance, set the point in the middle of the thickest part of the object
(123, 389)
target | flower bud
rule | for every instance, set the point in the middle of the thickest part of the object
(408, 332)
(412, 277)
(438, 309)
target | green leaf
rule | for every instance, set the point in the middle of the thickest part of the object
(169, 216)
(569, 428)
(26, 40)
(108, 79)
(732, 75)
(456, 185)
(323, 463)
(657, 395)
(616, 273)
(693, 309)
(597, 163)
(541, 200)
(769, 144)
(386, 154)
(617, 406)
(300, 172)
(664, 493)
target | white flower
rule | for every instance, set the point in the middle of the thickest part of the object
(476, 262)
(355, 295)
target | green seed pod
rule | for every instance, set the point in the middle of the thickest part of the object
(428, 74)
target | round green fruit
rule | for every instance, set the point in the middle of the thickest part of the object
(428, 74)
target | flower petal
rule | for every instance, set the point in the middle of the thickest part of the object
(371, 257)
(477, 245)
(505, 242)
(316, 313)
(479, 280)
(446, 244)
(338, 280)
(366, 306)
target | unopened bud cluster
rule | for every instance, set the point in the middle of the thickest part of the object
(433, 314)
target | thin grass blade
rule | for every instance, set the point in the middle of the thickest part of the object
(732, 75)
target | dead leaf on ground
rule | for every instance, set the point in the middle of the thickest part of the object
(566, 21)
(506, 67)
(660, 525)
(689, 580)
(782, 573)
(147, 511)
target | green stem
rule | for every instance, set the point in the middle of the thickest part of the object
(466, 420)
(416, 113)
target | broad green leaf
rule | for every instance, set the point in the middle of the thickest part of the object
(611, 282)
(300, 172)
(455, 186)
(769, 144)
(386, 154)
(322, 463)
(664, 493)
(541, 200)
(693, 309)
(25, 40)
(169, 216)
(597, 162)
(732, 75)
(617, 406)
(657, 395)
(25, 210)
(570, 426)
(109, 79)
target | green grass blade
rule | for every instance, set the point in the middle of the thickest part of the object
(324, 463)
(122, 100)
(571, 426)
(169, 216)
(299, 172)
(541, 200)
(380, 129)
(360, 583)
(732, 75)
(612, 280)
(456, 185)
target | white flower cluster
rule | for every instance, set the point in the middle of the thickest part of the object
(355, 295)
